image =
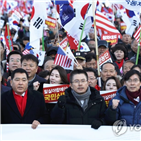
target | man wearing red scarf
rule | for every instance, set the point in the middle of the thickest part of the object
(21, 105)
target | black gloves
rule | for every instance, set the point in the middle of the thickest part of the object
(96, 124)
(62, 101)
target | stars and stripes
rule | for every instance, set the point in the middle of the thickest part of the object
(26, 52)
(62, 59)
(103, 23)
(137, 34)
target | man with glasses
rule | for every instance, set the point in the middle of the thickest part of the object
(81, 103)
(14, 61)
(126, 105)
(92, 77)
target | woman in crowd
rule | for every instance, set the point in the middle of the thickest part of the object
(120, 54)
(112, 83)
(58, 75)
(127, 102)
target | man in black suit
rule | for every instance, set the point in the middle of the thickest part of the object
(22, 105)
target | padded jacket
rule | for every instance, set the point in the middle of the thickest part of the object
(126, 109)
(72, 112)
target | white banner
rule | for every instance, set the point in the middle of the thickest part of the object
(48, 132)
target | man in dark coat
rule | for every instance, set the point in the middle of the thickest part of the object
(21, 105)
(81, 104)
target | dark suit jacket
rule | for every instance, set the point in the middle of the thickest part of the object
(4, 89)
(35, 109)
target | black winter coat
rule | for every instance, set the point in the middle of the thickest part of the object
(35, 109)
(72, 113)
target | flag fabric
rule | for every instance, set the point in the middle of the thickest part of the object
(63, 60)
(108, 12)
(134, 22)
(72, 18)
(14, 20)
(39, 54)
(37, 22)
(28, 46)
(84, 47)
(26, 52)
(104, 24)
(1, 23)
(8, 6)
(137, 35)
(8, 38)
(72, 42)
(134, 5)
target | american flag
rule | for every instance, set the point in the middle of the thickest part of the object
(62, 59)
(26, 52)
(137, 34)
(104, 24)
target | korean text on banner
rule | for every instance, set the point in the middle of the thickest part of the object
(53, 92)
(108, 95)
(105, 57)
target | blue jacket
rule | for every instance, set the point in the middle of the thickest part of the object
(126, 109)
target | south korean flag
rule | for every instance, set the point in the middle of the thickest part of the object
(37, 21)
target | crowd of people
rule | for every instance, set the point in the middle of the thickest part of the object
(22, 98)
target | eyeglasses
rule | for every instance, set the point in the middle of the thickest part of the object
(15, 60)
(134, 80)
(78, 81)
(91, 78)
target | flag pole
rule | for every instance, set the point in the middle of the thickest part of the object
(56, 21)
(137, 58)
(43, 47)
(96, 47)
(82, 30)
(81, 34)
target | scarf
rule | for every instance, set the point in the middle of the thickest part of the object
(84, 97)
(20, 102)
(135, 97)
(120, 64)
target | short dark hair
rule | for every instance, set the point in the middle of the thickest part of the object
(127, 61)
(19, 70)
(130, 73)
(118, 84)
(62, 72)
(48, 59)
(15, 43)
(14, 52)
(91, 70)
(90, 56)
(30, 57)
(136, 66)
(25, 38)
(77, 71)
(44, 73)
